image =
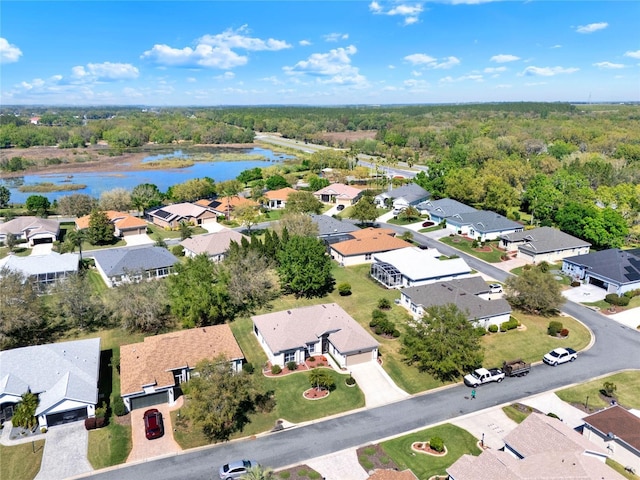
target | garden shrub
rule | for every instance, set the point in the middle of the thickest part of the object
(544, 267)
(395, 333)
(609, 388)
(292, 366)
(350, 381)
(509, 325)
(275, 369)
(474, 244)
(384, 304)
(118, 407)
(437, 444)
(554, 328)
(624, 301)
(377, 316)
(615, 299)
(248, 368)
(90, 423)
(553, 415)
(493, 328)
(311, 359)
(575, 283)
(178, 250)
(564, 332)
(344, 289)
(632, 293)
(284, 475)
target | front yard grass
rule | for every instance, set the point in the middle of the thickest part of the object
(620, 469)
(457, 441)
(627, 392)
(20, 462)
(465, 245)
(109, 445)
(532, 343)
(517, 412)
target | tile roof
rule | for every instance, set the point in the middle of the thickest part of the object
(117, 261)
(34, 225)
(223, 204)
(39, 264)
(462, 292)
(121, 220)
(544, 240)
(421, 264)
(57, 371)
(332, 226)
(292, 329)
(340, 190)
(281, 194)
(369, 241)
(621, 266)
(212, 244)
(619, 421)
(151, 362)
(484, 221)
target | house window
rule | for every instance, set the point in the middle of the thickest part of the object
(311, 347)
(290, 357)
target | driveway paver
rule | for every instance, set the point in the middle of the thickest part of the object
(492, 423)
(65, 452)
(342, 465)
(144, 449)
(377, 386)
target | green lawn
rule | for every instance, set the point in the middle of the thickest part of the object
(457, 441)
(627, 393)
(96, 282)
(20, 462)
(531, 343)
(109, 445)
(620, 469)
(517, 414)
(463, 244)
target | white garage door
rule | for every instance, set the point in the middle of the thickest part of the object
(358, 358)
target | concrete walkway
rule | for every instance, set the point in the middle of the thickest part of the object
(65, 452)
(377, 386)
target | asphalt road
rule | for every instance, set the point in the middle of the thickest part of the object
(615, 348)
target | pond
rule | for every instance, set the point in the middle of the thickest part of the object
(98, 182)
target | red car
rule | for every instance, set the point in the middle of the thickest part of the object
(153, 426)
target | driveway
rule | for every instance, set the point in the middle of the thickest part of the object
(342, 465)
(551, 403)
(630, 318)
(213, 227)
(144, 449)
(585, 294)
(65, 452)
(41, 249)
(492, 424)
(142, 239)
(377, 386)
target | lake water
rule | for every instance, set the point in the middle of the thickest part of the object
(99, 182)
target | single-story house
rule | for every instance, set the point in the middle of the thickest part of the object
(170, 216)
(541, 447)
(151, 371)
(331, 230)
(365, 243)
(615, 270)
(296, 334)
(339, 194)
(470, 295)
(411, 194)
(544, 244)
(33, 230)
(440, 210)
(617, 431)
(43, 270)
(224, 206)
(277, 199)
(63, 375)
(124, 223)
(130, 264)
(413, 266)
(213, 245)
(482, 225)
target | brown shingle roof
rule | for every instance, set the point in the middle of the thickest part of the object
(150, 362)
(617, 420)
(369, 241)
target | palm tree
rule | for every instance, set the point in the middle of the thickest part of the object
(258, 472)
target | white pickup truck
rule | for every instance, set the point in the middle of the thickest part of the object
(483, 375)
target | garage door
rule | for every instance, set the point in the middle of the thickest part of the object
(67, 417)
(148, 400)
(358, 358)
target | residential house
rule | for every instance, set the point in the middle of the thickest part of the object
(33, 230)
(617, 431)
(409, 195)
(131, 264)
(615, 270)
(124, 223)
(332, 230)
(544, 244)
(339, 194)
(213, 245)
(541, 447)
(224, 206)
(440, 210)
(151, 371)
(43, 270)
(413, 266)
(482, 225)
(277, 199)
(296, 334)
(470, 295)
(170, 216)
(364, 244)
(63, 375)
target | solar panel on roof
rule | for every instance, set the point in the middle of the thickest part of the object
(162, 214)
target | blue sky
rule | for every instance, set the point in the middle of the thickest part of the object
(239, 52)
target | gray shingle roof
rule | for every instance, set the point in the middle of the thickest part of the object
(544, 240)
(57, 371)
(117, 261)
(484, 221)
(330, 226)
(445, 207)
(411, 192)
(33, 224)
(463, 293)
(620, 266)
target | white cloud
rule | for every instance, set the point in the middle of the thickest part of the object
(504, 86)
(391, 67)
(448, 63)
(592, 27)
(304, 43)
(8, 53)
(410, 11)
(414, 84)
(334, 37)
(631, 54)
(107, 71)
(547, 71)
(557, 46)
(430, 62)
(214, 51)
(416, 73)
(273, 80)
(191, 80)
(225, 76)
(504, 58)
(495, 69)
(332, 67)
(463, 78)
(608, 65)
